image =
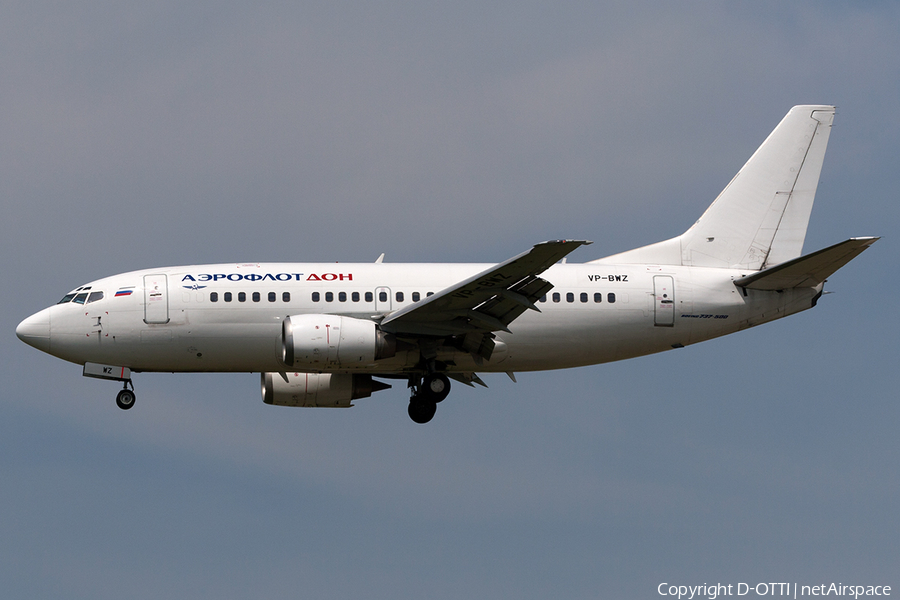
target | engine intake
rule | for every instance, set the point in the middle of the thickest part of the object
(332, 390)
(328, 341)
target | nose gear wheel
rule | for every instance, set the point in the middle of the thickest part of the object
(125, 398)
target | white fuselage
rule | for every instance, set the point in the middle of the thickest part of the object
(320, 332)
(228, 317)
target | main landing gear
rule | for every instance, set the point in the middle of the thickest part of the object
(433, 388)
(125, 398)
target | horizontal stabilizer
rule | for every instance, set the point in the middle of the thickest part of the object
(809, 270)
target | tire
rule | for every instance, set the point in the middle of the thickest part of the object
(436, 387)
(421, 412)
(125, 399)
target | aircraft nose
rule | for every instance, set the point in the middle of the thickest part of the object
(35, 330)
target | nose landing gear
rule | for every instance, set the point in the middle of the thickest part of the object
(125, 398)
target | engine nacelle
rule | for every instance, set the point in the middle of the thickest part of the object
(332, 390)
(328, 341)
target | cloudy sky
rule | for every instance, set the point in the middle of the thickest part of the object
(135, 135)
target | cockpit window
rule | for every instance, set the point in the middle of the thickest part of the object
(80, 298)
(94, 297)
(66, 298)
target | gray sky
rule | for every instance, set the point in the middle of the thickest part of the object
(141, 135)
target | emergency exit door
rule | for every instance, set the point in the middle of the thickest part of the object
(156, 299)
(664, 293)
(383, 299)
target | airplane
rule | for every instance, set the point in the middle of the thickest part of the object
(326, 334)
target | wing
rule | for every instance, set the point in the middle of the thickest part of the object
(485, 303)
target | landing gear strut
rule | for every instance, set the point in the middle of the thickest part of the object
(125, 398)
(425, 397)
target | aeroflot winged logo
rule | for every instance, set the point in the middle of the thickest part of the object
(268, 277)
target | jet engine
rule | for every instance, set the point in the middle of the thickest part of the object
(332, 390)
(328, 341)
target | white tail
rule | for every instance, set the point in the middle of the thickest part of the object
(760, 218)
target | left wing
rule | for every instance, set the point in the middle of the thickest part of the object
(487, 302)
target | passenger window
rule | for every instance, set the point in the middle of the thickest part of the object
(610, 297)
(342, 296)
(80, 298)
(214, 296)
(286, 297)
(429, 294)
(256, 296)
(399, 296)
(329, 297)
(66, 298)
(543, 298)
(242, 296)
(415, 296)
(355, 296)
(382, 296)
(584, 296)
(556, 296)
(570, 297)
(598, 297)
(315, 296)
(227, 297)
(271, 296)
(369, 297)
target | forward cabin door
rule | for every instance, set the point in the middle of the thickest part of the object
(156, 299)
(664, 292)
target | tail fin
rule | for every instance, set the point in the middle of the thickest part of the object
(760, 219)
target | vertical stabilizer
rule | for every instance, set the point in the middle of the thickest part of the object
(760, 218)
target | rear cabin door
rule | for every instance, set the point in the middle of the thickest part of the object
(664, 292)
(156, 299)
